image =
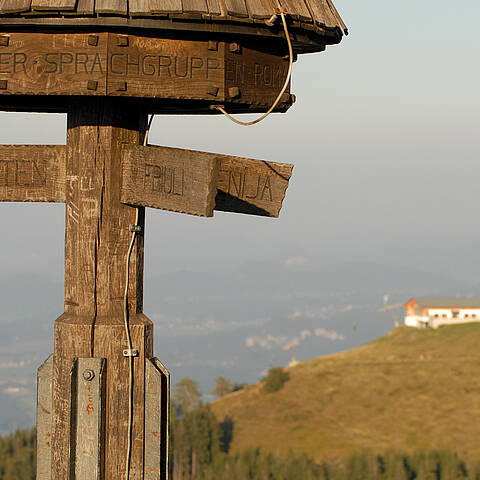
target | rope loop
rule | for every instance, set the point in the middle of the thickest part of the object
(282, 13)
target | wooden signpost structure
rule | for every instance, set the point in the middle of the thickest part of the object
(103, 399)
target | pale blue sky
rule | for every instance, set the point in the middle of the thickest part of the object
(384, 138)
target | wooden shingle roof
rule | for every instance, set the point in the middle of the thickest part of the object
(313, 23)
(447, 302)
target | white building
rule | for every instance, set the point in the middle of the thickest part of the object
(432, 312)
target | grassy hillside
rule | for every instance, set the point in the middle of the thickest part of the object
(410, 390)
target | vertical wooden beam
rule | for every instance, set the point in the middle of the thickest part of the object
(97, 238)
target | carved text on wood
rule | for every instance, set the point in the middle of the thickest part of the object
(138, 66)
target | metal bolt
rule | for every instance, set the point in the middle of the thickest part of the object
(234, 92)
(93, 40)
(92, 85)
(235, 48)
(88, 375)
(122, 41)
(212, 90)
(122, 87)
(4, 40)
(212, 45)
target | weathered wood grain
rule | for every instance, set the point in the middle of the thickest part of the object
(118, 7)
(236, 8)
(53, 64)
(58, 5)
(14, 6)
(139, 66)
(166, 6)
(297, 9)
(166, 68)
(44, 419)
(253, 77)
(261, 8)
(214, 7)
(73, 338)
(97, 224)
(157, 419)
(253, 187)
(195, 6)
(109, 341)
(139, 7)
(32, 173)
(321, 13)
(186, 181)
(85, 7)
(96, 243)
(170, 179)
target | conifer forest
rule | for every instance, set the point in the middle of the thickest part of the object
(200, 451)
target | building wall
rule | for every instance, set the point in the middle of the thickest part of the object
(434, 317)
(470, 313)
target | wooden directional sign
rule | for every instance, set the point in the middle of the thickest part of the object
(253, 187)
(31, 173)
(169, 178)
(186, 181)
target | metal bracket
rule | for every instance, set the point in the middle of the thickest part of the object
(130, 352)
(87, 418)
(157, 419)
(44, 419)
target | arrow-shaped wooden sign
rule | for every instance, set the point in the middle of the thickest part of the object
(195, 182)
(32, 173)
(184, 181)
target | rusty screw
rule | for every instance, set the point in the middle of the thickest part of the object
(88, 375)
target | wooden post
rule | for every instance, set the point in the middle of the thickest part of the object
(96, 245)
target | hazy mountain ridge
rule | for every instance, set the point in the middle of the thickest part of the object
(234, 323)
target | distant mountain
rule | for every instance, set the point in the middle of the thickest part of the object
(409, 390)
(234, 322)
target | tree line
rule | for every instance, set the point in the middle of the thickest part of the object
(200, 450)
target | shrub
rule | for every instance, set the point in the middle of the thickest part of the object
(275, 379)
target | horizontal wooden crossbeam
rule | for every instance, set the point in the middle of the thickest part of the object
(184, 181)
(113, 65)
(32, 173)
